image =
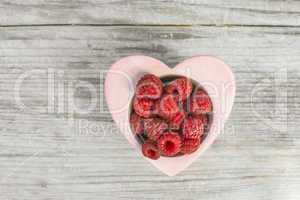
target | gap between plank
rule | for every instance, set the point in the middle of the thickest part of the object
(150, 25)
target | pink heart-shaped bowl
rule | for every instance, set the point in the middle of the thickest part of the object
(211, 73)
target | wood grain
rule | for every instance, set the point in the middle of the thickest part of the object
(50, 150)
(158, 12)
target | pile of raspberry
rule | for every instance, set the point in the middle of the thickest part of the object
(170, 118)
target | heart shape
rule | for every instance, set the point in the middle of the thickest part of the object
(211, 73)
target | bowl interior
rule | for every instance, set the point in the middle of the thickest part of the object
(167, 79)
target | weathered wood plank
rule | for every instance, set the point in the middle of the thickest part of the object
(45, 155)
(157, 12)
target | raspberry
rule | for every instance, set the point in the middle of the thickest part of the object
(200, 102)
(192, 128)
(203, 118)
(181, 87)
(177, 120)
(167, 107)
(154, 128)
(150, 150)
(205, 121)
(143, 107)
(169, 143)
(136, 123)
(149, 86)
(189, 146)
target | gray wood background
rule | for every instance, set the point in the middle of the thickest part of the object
(53, 52)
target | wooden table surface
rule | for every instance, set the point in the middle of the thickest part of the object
(58, 141)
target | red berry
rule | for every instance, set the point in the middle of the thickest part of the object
(169, 143)
(136, 123)
(155, 127)
(149, 86)
(181, 87)
(143, 107)
(203, 118)
(200, 102)
(190, 145)
(150, 150)
(177, 120)
(167, 107)
(192, 128)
